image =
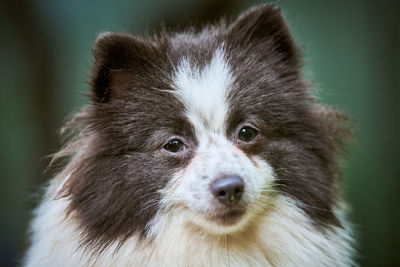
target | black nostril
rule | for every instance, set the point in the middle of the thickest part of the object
(228, 190)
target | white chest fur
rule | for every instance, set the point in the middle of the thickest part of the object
(284, 236)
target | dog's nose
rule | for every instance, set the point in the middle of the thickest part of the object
(228, 190)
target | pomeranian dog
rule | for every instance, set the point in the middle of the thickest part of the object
(199, 148)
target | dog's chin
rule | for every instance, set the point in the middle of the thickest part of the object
(225, 221)
(227, 218)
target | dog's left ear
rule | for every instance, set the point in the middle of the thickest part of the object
(263, 29)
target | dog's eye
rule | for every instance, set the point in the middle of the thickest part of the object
(174, 146)
(247, 134)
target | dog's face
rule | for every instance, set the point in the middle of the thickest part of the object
(211, 124)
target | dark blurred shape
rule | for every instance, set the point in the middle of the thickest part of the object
(203, 12)
(37, 48)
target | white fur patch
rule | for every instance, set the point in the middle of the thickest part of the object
(203, 92)
(190, 189)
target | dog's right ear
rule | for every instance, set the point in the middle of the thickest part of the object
(117, 58)
(264, 29)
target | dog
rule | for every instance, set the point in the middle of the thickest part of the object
(199, 148)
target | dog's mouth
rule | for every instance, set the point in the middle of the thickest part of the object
(228, 218)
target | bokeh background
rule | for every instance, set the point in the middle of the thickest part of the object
(353, 54)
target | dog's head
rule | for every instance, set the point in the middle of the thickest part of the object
(211, 124)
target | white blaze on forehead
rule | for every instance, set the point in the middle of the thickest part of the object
(203, 92)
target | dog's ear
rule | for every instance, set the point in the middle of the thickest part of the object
(117, 59)
(263, 28)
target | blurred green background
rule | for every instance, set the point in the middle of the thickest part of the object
(353, 54)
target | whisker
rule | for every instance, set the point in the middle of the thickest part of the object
(227, 247)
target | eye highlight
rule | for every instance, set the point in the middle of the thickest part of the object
(247, 134)
(174, 146)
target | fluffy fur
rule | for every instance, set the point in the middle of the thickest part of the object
(125, 199)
